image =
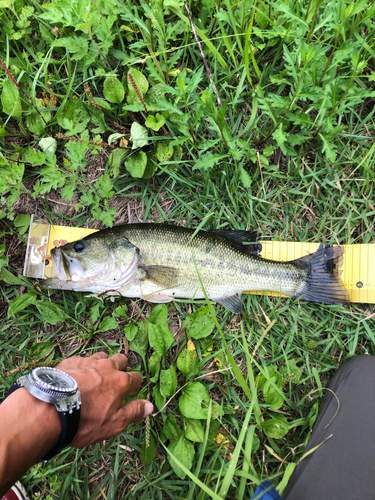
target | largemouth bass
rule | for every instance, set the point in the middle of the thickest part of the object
(159, 263)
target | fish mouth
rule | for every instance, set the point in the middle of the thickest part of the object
(66, 269)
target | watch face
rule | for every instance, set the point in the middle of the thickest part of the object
(54, 379)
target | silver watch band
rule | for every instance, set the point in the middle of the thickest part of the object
(67, 402)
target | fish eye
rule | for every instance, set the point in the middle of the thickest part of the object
(79, 246)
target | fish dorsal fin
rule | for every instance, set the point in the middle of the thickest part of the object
(161, 275)
(232, 303)
(240, 238)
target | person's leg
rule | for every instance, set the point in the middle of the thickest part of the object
(343, 467)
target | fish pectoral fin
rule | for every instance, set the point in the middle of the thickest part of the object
(161, 275)
(244, 240)
(232, 303)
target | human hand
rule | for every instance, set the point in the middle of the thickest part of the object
(104, 384)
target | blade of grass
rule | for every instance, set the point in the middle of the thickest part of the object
(264, 372)
(202, 452)
(249, 49)
(287, 475)
(236, 454)
(227, 42)
(197, 482)
(204, 38)
(250, 376)
(246, 461)
(234, 25)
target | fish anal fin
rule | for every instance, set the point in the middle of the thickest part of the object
(161, 275)
(244, 240)
(232, 303)
(323, 283)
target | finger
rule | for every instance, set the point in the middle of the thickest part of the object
(134, 383)
(66, 363)
(99, 355)
(120, 362)
(128, 384)
(136, 410)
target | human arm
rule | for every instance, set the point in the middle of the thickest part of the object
(29, 428)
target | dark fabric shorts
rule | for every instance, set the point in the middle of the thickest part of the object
(343, 467)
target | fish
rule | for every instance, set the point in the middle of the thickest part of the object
(163, 262)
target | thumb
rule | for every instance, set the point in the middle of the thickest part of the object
(136, 410)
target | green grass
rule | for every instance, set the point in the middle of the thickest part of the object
(296, 85)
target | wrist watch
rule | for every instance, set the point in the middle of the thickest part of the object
(54, 386)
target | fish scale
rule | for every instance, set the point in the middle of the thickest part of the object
(224, 270)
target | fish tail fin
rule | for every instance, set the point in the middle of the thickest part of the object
(322, 282)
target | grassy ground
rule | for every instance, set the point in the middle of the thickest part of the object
(286, 146)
